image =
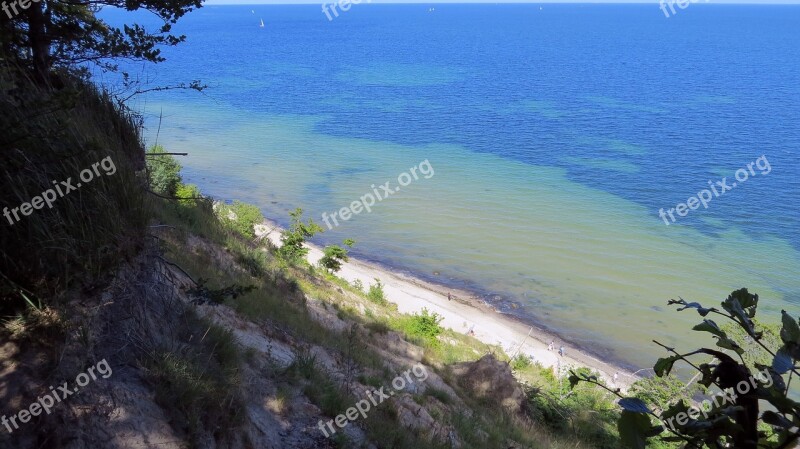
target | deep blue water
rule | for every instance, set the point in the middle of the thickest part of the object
(707, 90)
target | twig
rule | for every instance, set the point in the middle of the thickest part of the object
(520, 345)
(176, 266)
(160, 117)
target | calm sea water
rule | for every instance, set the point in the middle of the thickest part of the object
(556, 134)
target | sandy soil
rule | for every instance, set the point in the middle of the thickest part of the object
(464, 312)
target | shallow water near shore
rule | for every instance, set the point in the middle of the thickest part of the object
(550, 163)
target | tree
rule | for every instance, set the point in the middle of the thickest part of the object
(164, 171)
(65, 33)
(335, 255)
(731, 417)
(292, 249)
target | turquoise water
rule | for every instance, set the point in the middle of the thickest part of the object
(555, 136)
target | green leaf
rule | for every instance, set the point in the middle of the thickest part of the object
(742, 306)
(727, 343)
(746, 300)
(775, 419)
(790, 333)
(634, 405)
(708, 375)
(634, 429)
(741, 315)
(782, 361)
(663, 366)
(573, 381)
(710, 326)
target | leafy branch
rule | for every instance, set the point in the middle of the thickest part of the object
(734, 422)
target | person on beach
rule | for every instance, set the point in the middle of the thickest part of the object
(616, 376)
(561, 351)
(449, 298)
(471, 330)
(551, 346)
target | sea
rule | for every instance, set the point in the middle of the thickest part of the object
(551, 136)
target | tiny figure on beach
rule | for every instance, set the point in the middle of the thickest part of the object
(449, 297)
(471, 330)
(561, 351)
(551, 346)
(616, 376)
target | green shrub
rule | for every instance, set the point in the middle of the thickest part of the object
(326, 394)
(304, 366)
(254, 261)
(199, 385)
(586, 412)
(188, 192)
(241, 218)
(423, 326)
(376, 293)
(164, 171)
(378, 327)
(662, 391)
(520, 362)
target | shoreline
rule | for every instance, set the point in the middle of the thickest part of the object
(466, 309)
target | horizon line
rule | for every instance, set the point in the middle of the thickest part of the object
(503, 2)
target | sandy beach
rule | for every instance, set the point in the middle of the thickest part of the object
(463, 312)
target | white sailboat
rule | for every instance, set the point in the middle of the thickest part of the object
(262, 23)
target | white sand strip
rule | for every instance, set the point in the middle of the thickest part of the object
(463, 312)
